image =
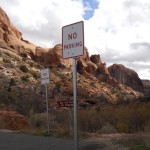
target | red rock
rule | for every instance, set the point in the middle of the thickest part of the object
(125, 76)
(13, 120)
(96, 59)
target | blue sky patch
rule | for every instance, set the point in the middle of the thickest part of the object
(89, 7)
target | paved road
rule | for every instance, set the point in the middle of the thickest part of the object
(19, 141)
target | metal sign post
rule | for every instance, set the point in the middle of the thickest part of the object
(45, 81)
(47, 110)
(75, 105)
(73, 46)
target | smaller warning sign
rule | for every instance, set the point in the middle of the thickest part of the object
(45, 76)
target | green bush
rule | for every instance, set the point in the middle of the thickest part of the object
(24, 69)
(108, 129)
(135, 143)
(38, 120)
(122, 127)
(35, 75)
(25, 78)
(89, 121)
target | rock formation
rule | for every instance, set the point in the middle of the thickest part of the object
(95, 67)
(91, 68)
(125, 76)
(52, 57)
(146, 84)
(11, 38)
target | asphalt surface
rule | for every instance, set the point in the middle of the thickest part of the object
(19, 141)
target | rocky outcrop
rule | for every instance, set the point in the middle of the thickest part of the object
(95, 67)
(7, 28)
(11, 38)
(93, 71)
(52, 57)
(125, 76)
(12, 120)
(146, 84)
(96, 59)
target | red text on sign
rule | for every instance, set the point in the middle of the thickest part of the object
(72, 36)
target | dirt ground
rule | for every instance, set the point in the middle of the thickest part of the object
(140, 141)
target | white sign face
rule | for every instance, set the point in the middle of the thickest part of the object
(45, 76)
(73, 40)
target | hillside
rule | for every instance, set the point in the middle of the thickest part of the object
(20, 86)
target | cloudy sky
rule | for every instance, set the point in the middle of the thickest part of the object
(118, 30)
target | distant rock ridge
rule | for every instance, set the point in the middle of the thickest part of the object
(95, 67)
(11, 39)
(126, 76)
(146, 83)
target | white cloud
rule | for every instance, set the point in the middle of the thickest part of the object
(41, 21)
(119, 30)
(115, 27)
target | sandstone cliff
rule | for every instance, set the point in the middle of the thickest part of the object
(126, 76)
(11, 38)
(21, 62)
(146, 84)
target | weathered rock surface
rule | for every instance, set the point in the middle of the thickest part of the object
(23, 89)
(125, 76)
(94, 66)
(146, 84)
(11, 38)
(12, 120)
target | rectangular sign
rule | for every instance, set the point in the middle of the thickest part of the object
(65, 103)
(45, 76)
(73, 40)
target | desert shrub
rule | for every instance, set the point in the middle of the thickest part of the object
(89, 121)
(1, 54)
(57, 86)
(107, 129)
(25, 78)
(9, 89)
(35, 74)
(122, 127)
(83, 105)
(135, 143)
(63, 122)
(38, 120)
(62, 118)
(24, 55)
(83, 92)
(12, 82)
(102, 97)
(23, 68)
(25, 100)
(2, 124)
(6, 60)
(128, 118)
(6, 96)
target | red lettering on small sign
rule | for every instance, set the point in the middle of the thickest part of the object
(65, 103)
